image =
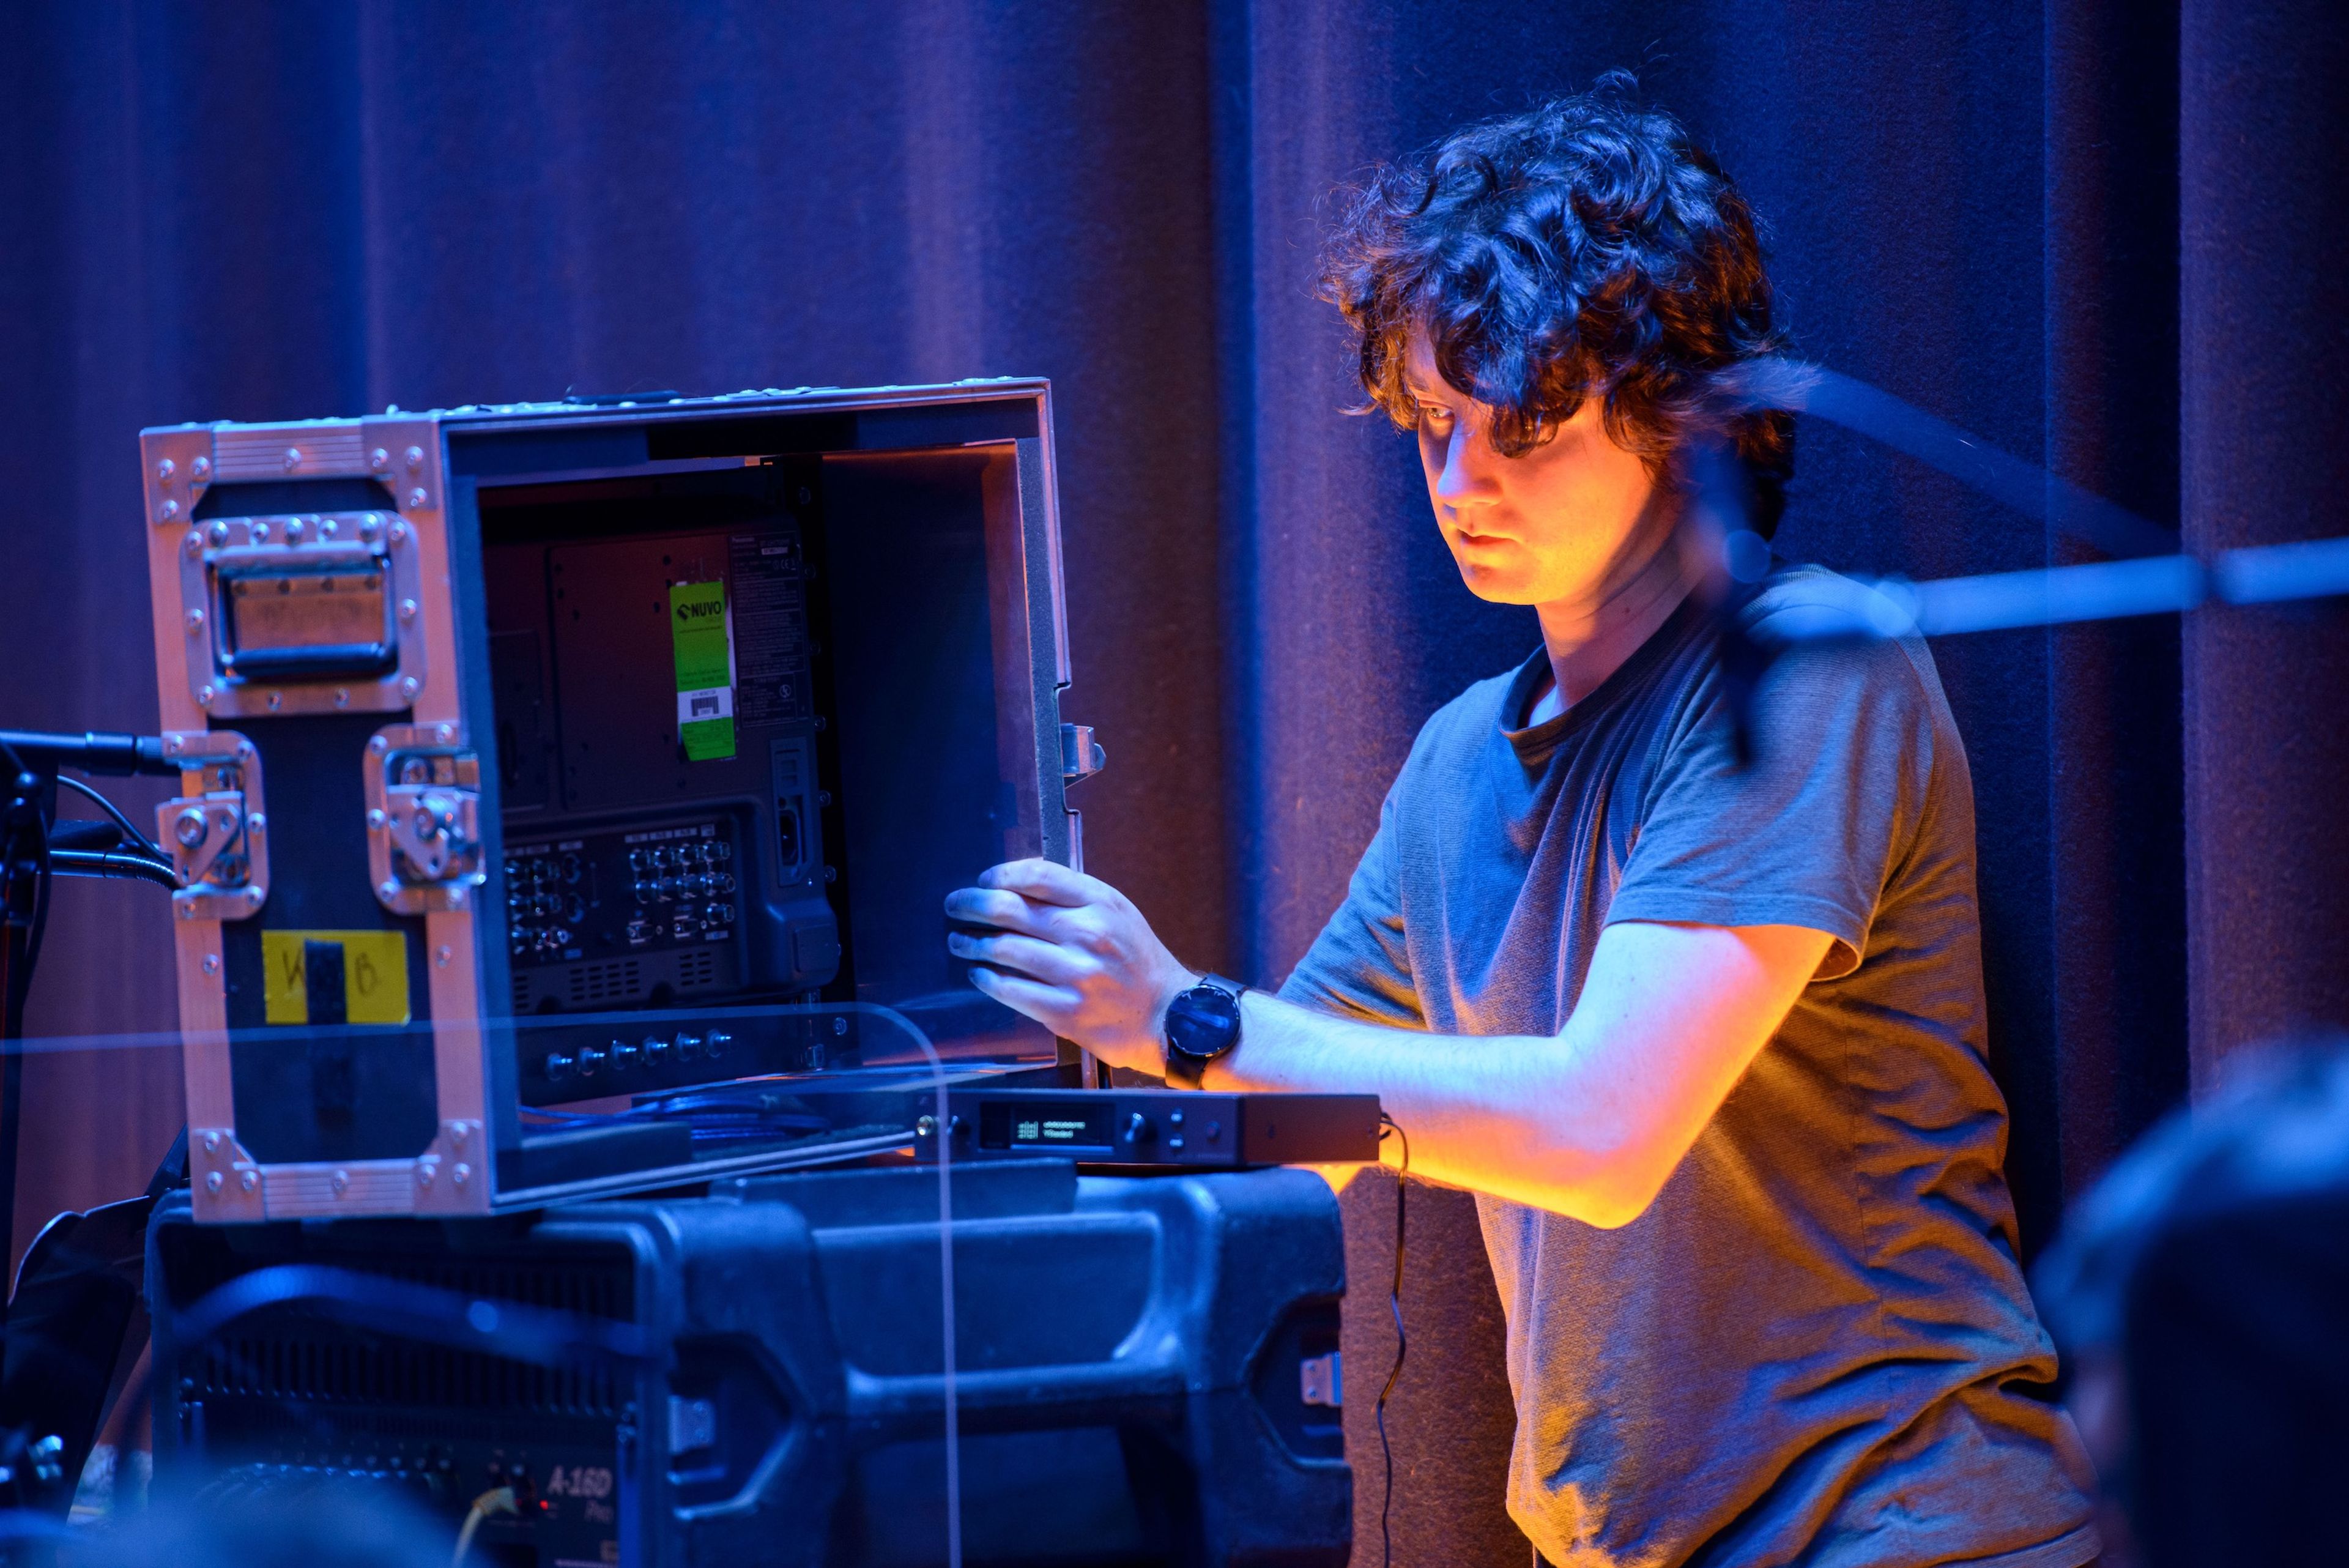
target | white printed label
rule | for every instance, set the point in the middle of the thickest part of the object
(716, 703)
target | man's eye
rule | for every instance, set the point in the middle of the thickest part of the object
(1435, 417)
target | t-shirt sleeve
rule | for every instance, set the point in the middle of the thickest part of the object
(1807, 833)
(1358, 965)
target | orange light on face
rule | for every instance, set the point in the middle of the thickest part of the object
(1554, 526)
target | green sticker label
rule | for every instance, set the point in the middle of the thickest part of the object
(702, 628)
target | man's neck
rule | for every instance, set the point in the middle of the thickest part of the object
(1588, 639)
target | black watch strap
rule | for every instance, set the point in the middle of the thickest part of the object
(1201, 1025)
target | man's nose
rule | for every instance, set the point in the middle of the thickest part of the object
(1466, 479)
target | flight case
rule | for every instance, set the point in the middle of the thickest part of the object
(547, 755)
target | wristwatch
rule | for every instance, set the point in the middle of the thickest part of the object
(1202, 1024)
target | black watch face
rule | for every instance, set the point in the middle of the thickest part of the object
(1203, 1021)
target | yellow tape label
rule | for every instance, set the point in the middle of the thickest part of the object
(375, 975)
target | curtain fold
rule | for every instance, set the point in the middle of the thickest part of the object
(2264, 388)
(2117, 957)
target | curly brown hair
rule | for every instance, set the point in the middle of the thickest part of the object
(1589, 247)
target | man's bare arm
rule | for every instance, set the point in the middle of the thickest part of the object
(1589, 1123)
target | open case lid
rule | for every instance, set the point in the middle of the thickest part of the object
(623, 728)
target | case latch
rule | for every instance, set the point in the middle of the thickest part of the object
(423, 796)
(1080, 755)
(215, 831)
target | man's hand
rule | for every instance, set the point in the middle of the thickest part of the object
(1073, 953)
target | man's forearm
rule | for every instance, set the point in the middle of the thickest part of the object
(1507, 1115)
(1590, 1122)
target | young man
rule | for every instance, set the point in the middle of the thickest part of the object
(1706, 1037)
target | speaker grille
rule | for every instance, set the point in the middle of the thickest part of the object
(298, 1353)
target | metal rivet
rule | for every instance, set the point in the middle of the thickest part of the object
(376, 820)
(276, 700)
(399, 531)
(342, 696)
(368, 525)
(195, 541)
(187, 912)
(415, 456)
(407, 610)
(171, 745)
(379, 460)
(199, 469)
(204, 695)
(260, 532)
(409, 687)
(211, 963)
(457, 1131)
(165, 470)
(188, 829)
(327, 527)
(445, 733)
(461, 1174)
(456, 898)
(245, 750)
(423, 1173)
(377, 744)
(292, 457)
(211, 1143)
(256, 823)
(213, 1181)
(389, 889)
(220, 532)
(293, 529)
(249, 1179)
(440, 958)
(416, 499)
(170, 510)
(195, 620)
(342, 1182)
(253, 897)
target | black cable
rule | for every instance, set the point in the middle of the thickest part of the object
(92, 752)
(138, 839)
(85, 833)
(113, 862)
(1403, 1346)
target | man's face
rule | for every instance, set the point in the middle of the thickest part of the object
(1553, 526)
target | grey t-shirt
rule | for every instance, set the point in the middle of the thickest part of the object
(1815, 1347)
